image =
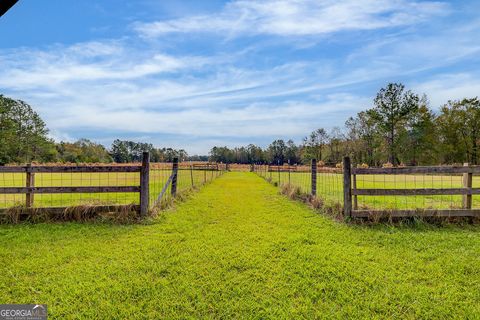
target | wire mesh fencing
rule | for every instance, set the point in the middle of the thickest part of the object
(99, 185)
(330, 185)
(188, 176)
(423, 182)
(400, 191)
(298, 179)
(62, 186)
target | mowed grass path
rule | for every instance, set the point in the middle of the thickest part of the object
(238, 249)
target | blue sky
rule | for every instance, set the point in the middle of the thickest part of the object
(193, 74)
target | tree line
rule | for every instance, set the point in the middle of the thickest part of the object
(400, 129)
(24, 138)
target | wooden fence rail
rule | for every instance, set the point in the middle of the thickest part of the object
(351, 190)
(30, 189)
(143, 188)
(69, 169)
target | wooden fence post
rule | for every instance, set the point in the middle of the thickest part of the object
(30, 182)
(314, 177)
(467, 183)
(278, 170)
(347, 187)
(289, 169)
(174, 177)
(191, 175)
(145, 184)
(355, 197)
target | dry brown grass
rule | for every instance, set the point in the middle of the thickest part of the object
(375, 217)
(12, 214)
(123, 214)
(88, 212)
(84, 212)
(294, 192)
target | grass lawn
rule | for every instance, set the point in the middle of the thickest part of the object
(238, 249)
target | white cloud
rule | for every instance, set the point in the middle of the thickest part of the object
(299, 17)
(93, 88)
(118, 89)
(92, 61)
(450, 87)
(100, 88)
(291, 119)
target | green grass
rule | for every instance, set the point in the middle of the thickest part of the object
(238, 249)
(330, 188)
(158, 178)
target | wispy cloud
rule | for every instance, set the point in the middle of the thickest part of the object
(299, 17)
(27, 68)
(191, 95)
(446, 87)
(98, 87)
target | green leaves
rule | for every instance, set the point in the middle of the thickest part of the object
(23, 133)
(459, 124)
(393, 107)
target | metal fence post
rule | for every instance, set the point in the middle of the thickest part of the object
(174, 177)
(145, 184)
(347, 187)
(30, 182)
(467, 184)
(314, 177)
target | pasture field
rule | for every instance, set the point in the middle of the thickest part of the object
(158, 178)
(239, 249)
(330, 188)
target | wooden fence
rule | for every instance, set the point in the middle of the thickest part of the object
(30, 189)
(205, 166)
(149, 185)
(273, 172)
(272, 168)
(351, 191)
(143, 187)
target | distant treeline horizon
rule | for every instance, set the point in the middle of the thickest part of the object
(400, 128)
